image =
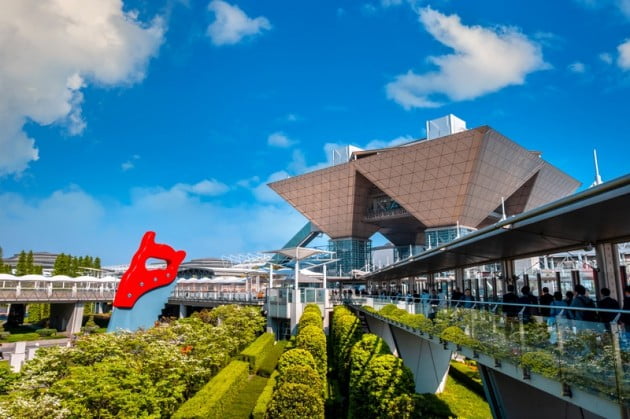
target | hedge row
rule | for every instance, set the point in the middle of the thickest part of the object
(258, 351)
(345, 331)
(301, 382)
(269, 363)
(215, 398)
(265, 397)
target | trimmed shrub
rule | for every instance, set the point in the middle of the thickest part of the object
(90, 326)
(313, 339)
(369, 347)
(541, 362)
(215, 398)
(46, 332)
(346, 330)
(299, 374)
(388, 309)
(313, 308)
(258, 350)
(295, 357)
(456, 335)
(269, 363)
(418, 321)
(311, 319)
(296, 401)
(265, 398)
(385, 379)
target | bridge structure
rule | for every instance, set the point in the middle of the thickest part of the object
(532, 366)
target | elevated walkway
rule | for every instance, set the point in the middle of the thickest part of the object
(529, 368)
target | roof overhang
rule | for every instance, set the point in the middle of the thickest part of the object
(597, 215)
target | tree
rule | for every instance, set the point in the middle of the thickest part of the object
(97, 263)
(29, 262)
(21, 265)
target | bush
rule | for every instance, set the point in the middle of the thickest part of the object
(541, 363)
(313, 308)
(430, 406)
(269, 363)
(296, 401)
(345, 332)
(46, 332)
(385, 379)
(313, 340)
(299, 374)
(215, 398)
(257, 351)
(388, 309)
(369, 347)
(90, 326)
(265, 397)
(418, 321)
(295, 357)
(311, 319)
(456, 335)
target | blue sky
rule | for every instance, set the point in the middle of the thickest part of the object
(121, 117)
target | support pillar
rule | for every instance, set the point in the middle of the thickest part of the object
(608, 269)
(182, 311)
(507, 266)
(459, 279)
(17, 358)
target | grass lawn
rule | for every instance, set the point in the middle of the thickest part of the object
(464, 402)
(243, 406)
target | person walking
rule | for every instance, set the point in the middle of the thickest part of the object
(545, 300)
(607, 302)
(510, 297)
(529, 299)
(582, 301)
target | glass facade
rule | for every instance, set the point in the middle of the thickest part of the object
(353, 254)
(435, 237)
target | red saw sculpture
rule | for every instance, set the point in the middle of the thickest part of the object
(138, 280)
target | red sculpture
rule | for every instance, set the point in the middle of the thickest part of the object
(138, 280)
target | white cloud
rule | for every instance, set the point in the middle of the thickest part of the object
(211, 187)
(49, 51)
(232, 24)
(264, 193)
(73, 221)
(606, 57)
(128, 165)
(385, 144)
(279, 139)
(622, 5)
(388, 3)
(485, 60)
(577, 67)
(624, 55)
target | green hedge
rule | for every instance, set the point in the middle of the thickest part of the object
(295, 357)
(258, 351)
(311, 319)
(542, 363)
(269, 363)
(299, 374)
(346, 330)
(313, 308)
(292, 401)
(46, 332)
(215, 398)
(265, 397)
(313, 339)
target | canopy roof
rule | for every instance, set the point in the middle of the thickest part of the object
(299, 253)
(597, 215)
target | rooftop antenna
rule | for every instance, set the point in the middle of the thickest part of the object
(503, 217)
(598, 178)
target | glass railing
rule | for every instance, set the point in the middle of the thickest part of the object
(591, 355)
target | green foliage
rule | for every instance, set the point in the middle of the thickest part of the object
(313, 339)
(244, 404)
(456, 335)
(90, 326)
(313, 308)
(38, 312)
(299, 374)
(429, 405)
(362, 353)
(379, 388)
(296, 357)
(311, 319)
(73, 266)
(463, 402)
(345, 332)
(46, 332)
(295, 401)
(542, 363)
(418, 321)
(21, 268)
(142, 374)
(269, 363)
(7, 378)
(265, 398)
(215, 398)
(244, 322)
(388, 309)
(258, 350)
(467, 376)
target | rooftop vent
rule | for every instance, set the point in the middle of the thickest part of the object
(446, 125)
(343, 154)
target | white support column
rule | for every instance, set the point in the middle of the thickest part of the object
(608, 269)
(17, 358)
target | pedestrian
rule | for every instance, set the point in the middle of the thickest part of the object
(545, 300)
(529, 299)
(607, 302)
(510, 297)
(582, 301)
